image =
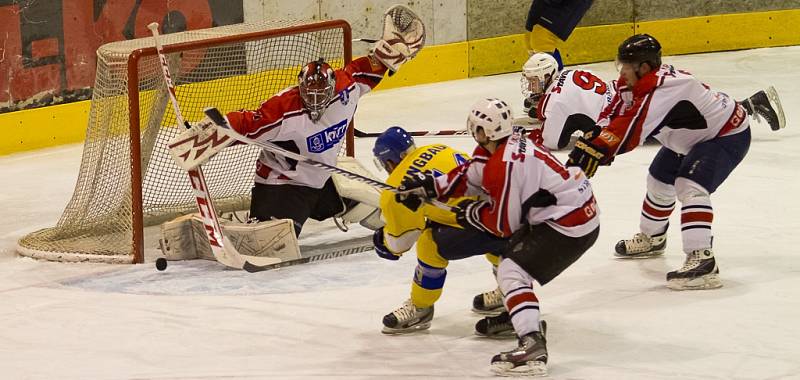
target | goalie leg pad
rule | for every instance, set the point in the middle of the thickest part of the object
(373, 221)
(355, 190)
(362, 201)
(184, 238)
(272, 238)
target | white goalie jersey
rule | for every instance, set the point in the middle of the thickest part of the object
(284, 121)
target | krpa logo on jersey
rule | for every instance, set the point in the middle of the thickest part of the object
(328, 138)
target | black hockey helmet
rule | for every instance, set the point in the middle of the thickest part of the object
(640, 48)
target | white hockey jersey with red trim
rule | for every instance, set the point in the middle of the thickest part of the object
(283, 120)
(673, 107)
(522, 175)
(573, 98)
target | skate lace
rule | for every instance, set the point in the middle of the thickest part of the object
(640, 242)
(495, 297)
(692, 261)
(405, 312)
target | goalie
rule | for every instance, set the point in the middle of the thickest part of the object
(312, 119)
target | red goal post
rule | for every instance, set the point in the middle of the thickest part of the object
(127, 181)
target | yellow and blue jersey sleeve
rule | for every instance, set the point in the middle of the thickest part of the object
(404, 226)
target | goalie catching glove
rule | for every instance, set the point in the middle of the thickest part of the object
(587, 156)
(403, 37)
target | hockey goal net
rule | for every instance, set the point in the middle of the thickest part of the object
(127, 179)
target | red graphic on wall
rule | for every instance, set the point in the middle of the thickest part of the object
(47, 53)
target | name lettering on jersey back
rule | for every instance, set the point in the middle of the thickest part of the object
(422, 160)
(521, 144)
(327, 138)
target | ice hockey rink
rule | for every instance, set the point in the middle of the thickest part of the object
(608, 319)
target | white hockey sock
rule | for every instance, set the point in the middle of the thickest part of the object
(696, 215)
(520, 301)
(657, 207)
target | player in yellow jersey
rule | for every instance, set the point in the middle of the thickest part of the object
(435, 231)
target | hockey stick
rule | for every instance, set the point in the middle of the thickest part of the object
(523, 121)
(462, 132)
(225, 253)
(367, 40)
(221, 122)
(331, 251)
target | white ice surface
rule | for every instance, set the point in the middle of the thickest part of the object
(608, 319)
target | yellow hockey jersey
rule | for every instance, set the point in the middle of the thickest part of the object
(404, 226)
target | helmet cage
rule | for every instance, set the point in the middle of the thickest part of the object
(532, 86)
(317, 84)
(537, 73)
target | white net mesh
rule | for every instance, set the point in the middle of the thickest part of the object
(214, 67)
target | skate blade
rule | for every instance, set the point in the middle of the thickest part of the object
(407, 330)
(532, 368)
(508, 334)
(775, 101)
(710, 281)
(644, 255)
(491, 312)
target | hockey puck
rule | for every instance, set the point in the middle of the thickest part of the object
(161, 263)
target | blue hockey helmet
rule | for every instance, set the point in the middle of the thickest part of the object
(391, 146)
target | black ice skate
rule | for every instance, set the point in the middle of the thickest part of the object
(528, 359)
(495, 326)
(700, 271)
(766, 104)
(489, 303)
(407, 319)
(641, 246)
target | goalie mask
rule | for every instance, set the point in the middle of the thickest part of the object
(317, 84)
(537, 74)
(494, 116)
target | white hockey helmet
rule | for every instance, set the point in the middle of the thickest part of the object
(537, 73)
(494, 116)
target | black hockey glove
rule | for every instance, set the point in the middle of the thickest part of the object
(586, 156)
(380, 246)
(414, 188)
(592, 132)
(468, 215)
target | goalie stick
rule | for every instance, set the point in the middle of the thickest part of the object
(328, 251)
(225, 253)
(221, 122)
